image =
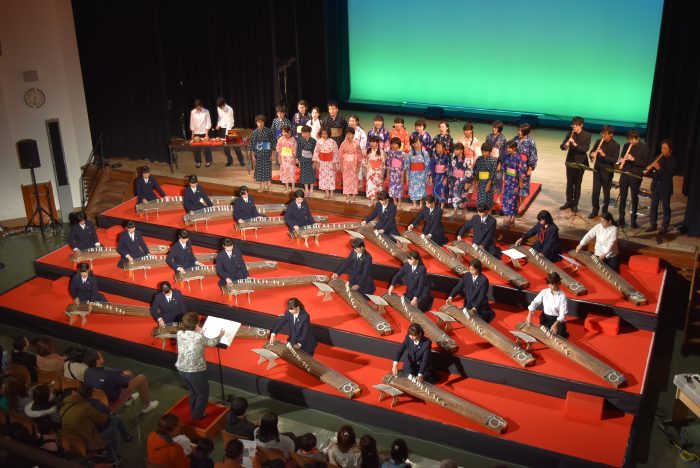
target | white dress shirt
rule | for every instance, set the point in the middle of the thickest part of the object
(225, 117)
(315, 128)
(605, 240)
(552, 303)
(200, 122)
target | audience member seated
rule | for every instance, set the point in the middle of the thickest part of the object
(399, 455)
(200, 456)
(234, 455)
(238, 423)
(369, 455)
(17, 432)
(15, 389)
(268, 435)
(47, 438)
(448, 464)
(161, 447)
(344, 451)
(22, 356)
(118, 384)
(43, 404)
(47, 359)
(115, 424)
(75, 367)
(80, 419)
(307, 448)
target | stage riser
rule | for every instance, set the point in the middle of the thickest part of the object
(460, 365)
(482, 444)
(444, 284)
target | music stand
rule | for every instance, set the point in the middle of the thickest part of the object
(40, 211)
(574, 215)
(219, 347)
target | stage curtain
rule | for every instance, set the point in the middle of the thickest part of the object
(144, 62)
(675, 103)
(337, 52)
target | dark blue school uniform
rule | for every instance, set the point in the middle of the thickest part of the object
(232, 267)
(136, 248)
(547, 240)
(484, 233)
(85, 290)
(170, 311)
(295, 216)
(83, 237)
(146, 189)
(417, 285)
(418, 359)
(181, 257)
(433, 224)
(387, 219)
(475, 294)
(245, 210)
(300, 331)
(191, 200)
(359, 270)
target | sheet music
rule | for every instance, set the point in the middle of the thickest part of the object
(213, 325)
(514, 254)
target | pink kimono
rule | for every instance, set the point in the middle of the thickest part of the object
(326, 156)
(375, 173)
(350, 156)
(287, 150)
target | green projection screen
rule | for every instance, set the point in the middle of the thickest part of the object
(591, 58)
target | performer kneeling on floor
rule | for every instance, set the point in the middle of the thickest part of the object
(547, 243)
(605, 234)
(168, 305)
(484, 226)
(82, 234)
(195, 198)
(297, 319)
(386, 211)
(418, 361)
(180, 257)
(552, 301)
(359, 267)
(432, 215)
(474, 286)
(244, 206)
(298, 214)
(229, 264)
(146, 186)
(415, 276)
(131, 245)
(83, 286)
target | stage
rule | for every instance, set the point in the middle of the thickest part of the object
(542, 395)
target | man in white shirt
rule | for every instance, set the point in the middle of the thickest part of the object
(605, 235)
(225, 122)
(554, 306)
(200, 124)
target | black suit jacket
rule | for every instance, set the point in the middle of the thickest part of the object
(245, 210)
(83, 238)
(191, 199)
(387, 219)
(550, 245)
(169, 311)
(433, 224)
(136, 248)
(578, 153)
(418, 358)
(146, 190)
(179, 257)
(417, 284)
(360, 272)
(612, 153)
(233, 268)
(640, 152)
(484, 233)
(85, 291)
(475, 293)
(299, 333)
(663, 179)
(295, 216)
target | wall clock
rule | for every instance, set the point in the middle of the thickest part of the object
(34, 98)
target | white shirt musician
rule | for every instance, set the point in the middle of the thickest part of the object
(605, 235)
(554, 306)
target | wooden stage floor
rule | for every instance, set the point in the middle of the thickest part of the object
(550, 173)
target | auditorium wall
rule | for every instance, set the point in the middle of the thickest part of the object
(39, 35)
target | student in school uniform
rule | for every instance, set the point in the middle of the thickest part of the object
(358, 265)
(146, 186)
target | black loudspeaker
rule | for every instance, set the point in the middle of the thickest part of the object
(434, 113)
(28, 154)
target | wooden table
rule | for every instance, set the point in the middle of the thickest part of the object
(687, 396)
(177, 146)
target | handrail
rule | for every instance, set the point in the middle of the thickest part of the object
(92, 159)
